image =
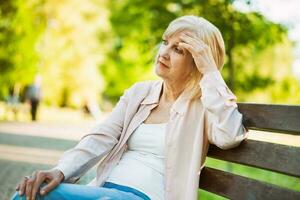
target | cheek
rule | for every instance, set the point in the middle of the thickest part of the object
(180, 63)
(182, 67)
(176, 59)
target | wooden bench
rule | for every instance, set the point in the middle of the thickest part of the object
(279, 158)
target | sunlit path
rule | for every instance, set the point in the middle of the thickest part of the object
(29, 155)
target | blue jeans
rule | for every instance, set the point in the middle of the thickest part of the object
(109, 191)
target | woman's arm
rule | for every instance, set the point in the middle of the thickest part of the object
(82, 157)
(94, 146)
(223, 121)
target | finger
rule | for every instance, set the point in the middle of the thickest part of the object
(18, 187)
(193, 41)
(188, 47)
(29, 184)
(193, 37)
(195, 45)
(50, 186)
(22, 187)
(187, 39)
(40, 177)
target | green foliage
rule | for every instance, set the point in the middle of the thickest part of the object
(135, 34)
(60, 40)
(21, 24)
(246, 35)
(57, 39)
(70, 51)
(137, 27)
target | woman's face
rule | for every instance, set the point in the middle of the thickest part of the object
(173, 63)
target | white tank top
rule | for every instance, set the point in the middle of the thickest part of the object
(142, 165)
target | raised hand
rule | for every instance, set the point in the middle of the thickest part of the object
(201, 52)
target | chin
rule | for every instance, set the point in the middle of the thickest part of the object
(159, 72)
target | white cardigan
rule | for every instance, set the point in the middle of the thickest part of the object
(212, 118)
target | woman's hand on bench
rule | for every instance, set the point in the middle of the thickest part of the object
(31, 185)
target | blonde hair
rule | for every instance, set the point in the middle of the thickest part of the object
(207, 33)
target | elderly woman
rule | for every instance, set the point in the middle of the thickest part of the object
(154, 143)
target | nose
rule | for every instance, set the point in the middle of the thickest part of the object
(164, 52)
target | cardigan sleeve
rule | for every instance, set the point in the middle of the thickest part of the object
(95, 145)
(223, 121)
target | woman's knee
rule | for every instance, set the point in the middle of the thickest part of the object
(52, 195)
(59, 192)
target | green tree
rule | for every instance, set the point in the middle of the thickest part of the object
(137, 27)
(21, 24)
(70, 51)
(59, 40)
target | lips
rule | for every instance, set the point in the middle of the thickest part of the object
(163, 64)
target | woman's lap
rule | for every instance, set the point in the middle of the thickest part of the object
(67, 191)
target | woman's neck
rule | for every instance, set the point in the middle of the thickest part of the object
(171, 91)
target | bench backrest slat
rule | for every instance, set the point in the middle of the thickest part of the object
(269, 156)
(275, 157)
(276, 118)
(237, 187)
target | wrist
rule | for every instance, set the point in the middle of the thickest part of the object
(60, 175)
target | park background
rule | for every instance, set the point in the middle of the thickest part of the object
(88, 52)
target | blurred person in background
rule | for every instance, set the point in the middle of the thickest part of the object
(33, 95)
(154, 143)
(13, 101)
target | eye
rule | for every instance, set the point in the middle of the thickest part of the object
(177, 50)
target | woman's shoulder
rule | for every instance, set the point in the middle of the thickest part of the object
(143, 88)
(149, 84)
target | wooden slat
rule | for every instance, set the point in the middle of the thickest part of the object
(237, 187)
(276, 118)
(275, 157)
